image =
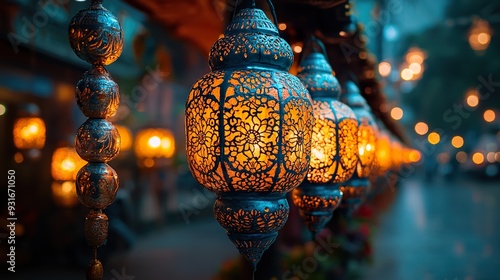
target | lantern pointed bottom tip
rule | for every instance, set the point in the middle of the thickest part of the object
(252, 245)
(315, 222)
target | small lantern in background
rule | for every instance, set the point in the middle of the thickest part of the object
(356, 188)
(29, 129)
(334, 147)
(65, 164)
(153, 144)
(383, 153)
(125, 136)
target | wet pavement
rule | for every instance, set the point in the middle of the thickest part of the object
(439, 230)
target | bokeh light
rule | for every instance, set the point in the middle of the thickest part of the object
(406, 74)
(434, 138)
(478, 158)
(489, 115)
(2, 109)
(384, 68)
(461, 157)
(421, 128)
(397, 113)
(457, 141)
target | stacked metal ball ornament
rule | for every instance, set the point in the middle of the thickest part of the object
(97, 37)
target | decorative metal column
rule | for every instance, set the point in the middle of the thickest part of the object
(96, 37)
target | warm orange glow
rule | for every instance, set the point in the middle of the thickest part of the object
(64, 193)
(397, 113)
(282, 26)
(415, 68)
(415, 156)
(461, 157)
(383, 152)
(421, 128)
(65, 164)
(29, 133)
(335, 133)
(480, 35)
(489, 115)
(406, 74)
(125, 136)
(457, 141)
(478, 158)
(415, 55)
(155, 143)
(434, 138)
(472, 100)
(396, 154)
(384, 68)
(497, 156)
(297, 48)
(367, 140)
(18, 157)
(2, 109)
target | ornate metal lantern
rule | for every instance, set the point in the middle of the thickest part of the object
(334, 147)
(96, 36)
(356, 188)
(248, 129)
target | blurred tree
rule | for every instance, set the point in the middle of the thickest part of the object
(452, 67)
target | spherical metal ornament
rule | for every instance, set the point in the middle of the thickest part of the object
(334, 144)
(96, 228)
(97, 140)
(248, 129)
(97, 95)
(96, 185)
(95, 35)
(356, 188)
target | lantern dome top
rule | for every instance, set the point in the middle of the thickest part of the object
(352, 96)
(316, 74)
(251, 40)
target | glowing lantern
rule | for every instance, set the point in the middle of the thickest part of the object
(397, 154)
(64, 193)
(125, 136)
(65, 164)
(334, 144)
(29, 133)
(356, 188)
(383, 153)
(248, 129)
(154, 143)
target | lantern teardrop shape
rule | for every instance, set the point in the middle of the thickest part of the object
(356, 188)
(334, 144)
(248, 130)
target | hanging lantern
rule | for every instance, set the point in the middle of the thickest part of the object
(397, 155)
(356, 188)
(154, 143)
(383, 153)
(334, 144)
(95, 35)
(125, 136)
(248, 129)
(29, 133)
(65, 164)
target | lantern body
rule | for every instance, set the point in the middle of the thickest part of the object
(248, 129)
(334, 144)
(29, 133)
(356, 188)
(155, 143)
(383, 154)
